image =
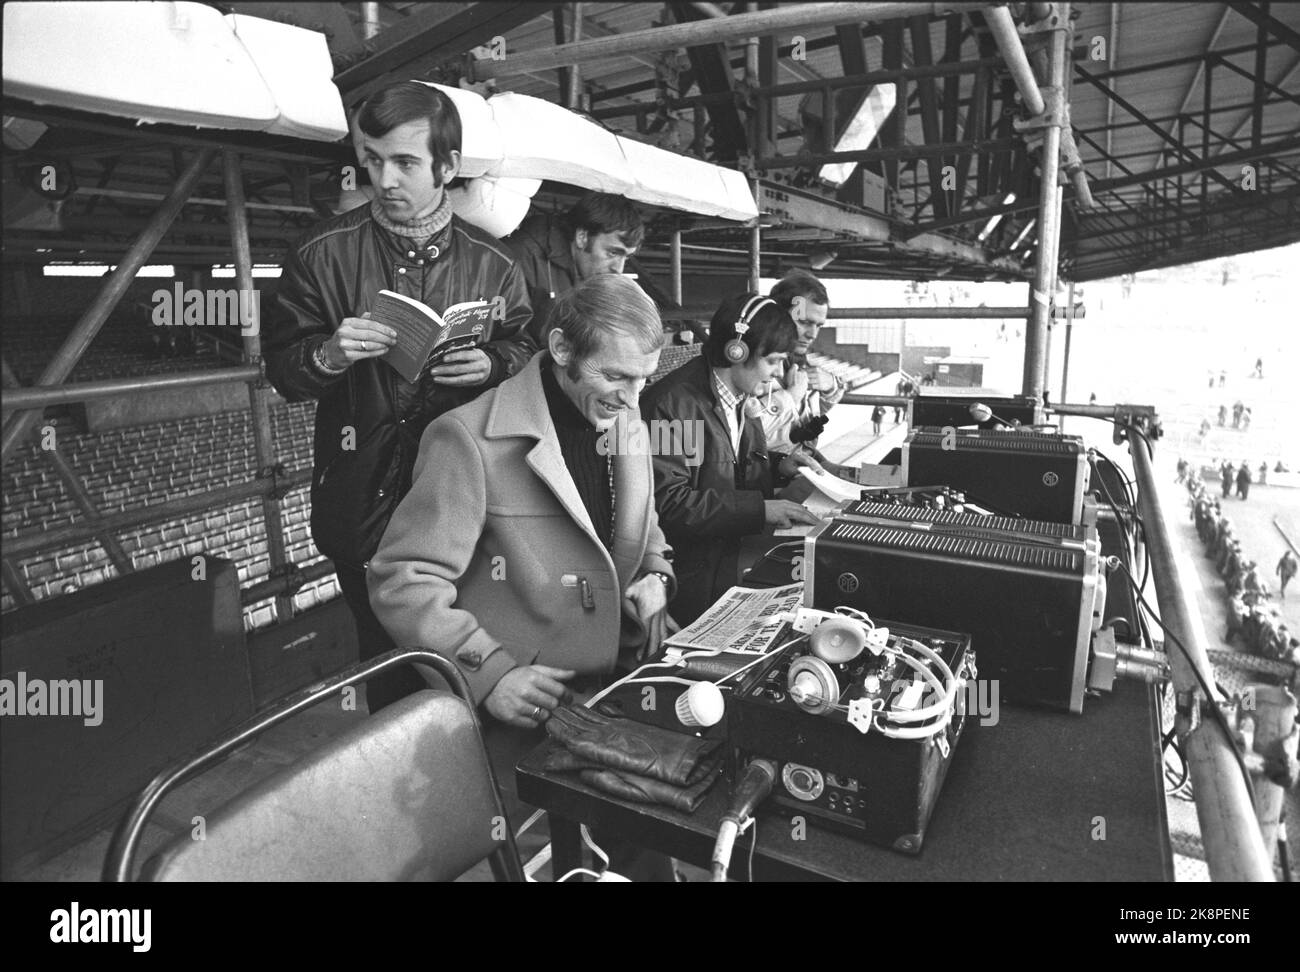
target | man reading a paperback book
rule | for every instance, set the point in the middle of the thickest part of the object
(325, 340)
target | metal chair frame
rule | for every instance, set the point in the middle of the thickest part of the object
(119, 863)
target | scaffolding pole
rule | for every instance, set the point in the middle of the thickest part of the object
(1234, 847)
(796, 17)
(263, 440)
(84, 391)
(1043, 287)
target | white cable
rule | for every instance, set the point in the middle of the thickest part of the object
(900, 720)
(659, 678)
(624, 680)
(785, 543)
(945, 692)
(537, 815)
(762, 657)
(539, 861)
(586, 837)
(579, 870)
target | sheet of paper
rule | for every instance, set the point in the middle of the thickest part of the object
(743, 619)
(817, 503)
(837, 489)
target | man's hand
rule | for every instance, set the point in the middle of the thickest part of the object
(783, 514)
(650, 597)
(526, 696)
(822, 381)
(356, 339)
(789, 466)
(469, 367)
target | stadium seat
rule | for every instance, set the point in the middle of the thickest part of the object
(407, 794)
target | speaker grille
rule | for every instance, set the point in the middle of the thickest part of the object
(1034, 443)
(1006, 524)
(984, 549)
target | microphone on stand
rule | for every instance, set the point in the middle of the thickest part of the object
(752, 789)
(982, 413)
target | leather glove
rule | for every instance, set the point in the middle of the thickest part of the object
(634, 787)
(809, 429)
(642, 789)
(622, 744)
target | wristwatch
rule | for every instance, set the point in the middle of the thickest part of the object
(668, 581)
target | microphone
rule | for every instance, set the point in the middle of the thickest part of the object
(982, 413)
(749, 792)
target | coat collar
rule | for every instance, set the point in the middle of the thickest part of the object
(700, 376)
(519, 410)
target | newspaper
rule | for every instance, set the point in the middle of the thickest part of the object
(743, 619)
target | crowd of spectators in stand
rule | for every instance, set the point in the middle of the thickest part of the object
(1250, 611)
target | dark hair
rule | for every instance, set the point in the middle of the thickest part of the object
(601, 305)
(601, 212)
(799, 283)
(409, 101)
(771, 330)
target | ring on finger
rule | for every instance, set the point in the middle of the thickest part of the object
(537, 713)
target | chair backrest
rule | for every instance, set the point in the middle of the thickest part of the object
(405, 795)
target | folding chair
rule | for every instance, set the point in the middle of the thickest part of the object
(407, 794)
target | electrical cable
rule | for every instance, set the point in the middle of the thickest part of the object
(1169, 741)
(786, 543)
(1132, 628)
(1129, 485)
(753, 842)
(1209, 695)
(578, 870)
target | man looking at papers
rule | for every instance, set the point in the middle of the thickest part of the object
(708, 507)
(322, 345)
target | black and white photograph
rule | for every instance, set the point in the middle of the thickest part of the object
(741, 442)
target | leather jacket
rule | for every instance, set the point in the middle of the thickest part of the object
(369, 419)
(542, 250)
(707, 509)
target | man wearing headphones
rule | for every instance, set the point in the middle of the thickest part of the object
(710, 501)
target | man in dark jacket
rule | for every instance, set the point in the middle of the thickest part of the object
(321, 343)
(556, 251)
(877, 416)
(711, 498)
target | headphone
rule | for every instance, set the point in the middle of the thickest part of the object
(736, 351)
